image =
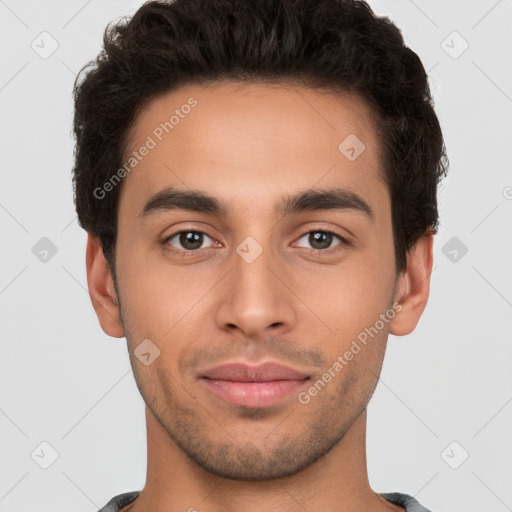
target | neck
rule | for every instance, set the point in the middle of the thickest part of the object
(337, 481)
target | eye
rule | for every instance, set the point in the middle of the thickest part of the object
(189, 241)
(321, 240)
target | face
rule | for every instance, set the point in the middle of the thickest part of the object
(252, 276)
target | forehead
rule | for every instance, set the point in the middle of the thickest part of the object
(240, 140)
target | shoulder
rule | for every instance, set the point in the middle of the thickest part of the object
(408, 502)
(120, 501)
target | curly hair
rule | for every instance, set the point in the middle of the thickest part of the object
(339, 45)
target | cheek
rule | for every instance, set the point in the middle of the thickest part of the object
(157, 296)
(352, 308)
(143, 294)
(349, 298)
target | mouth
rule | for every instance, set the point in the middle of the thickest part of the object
(253, 386)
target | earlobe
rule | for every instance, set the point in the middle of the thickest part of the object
(413, 287)
(101, 289)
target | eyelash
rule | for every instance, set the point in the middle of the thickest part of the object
(318, 252)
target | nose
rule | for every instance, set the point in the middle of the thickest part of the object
(256, 301)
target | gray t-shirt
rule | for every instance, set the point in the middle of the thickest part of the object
(397, 498)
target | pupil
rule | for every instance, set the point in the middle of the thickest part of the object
(191, 240)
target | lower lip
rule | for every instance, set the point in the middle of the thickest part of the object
(253, 394)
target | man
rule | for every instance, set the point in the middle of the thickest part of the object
(294, 146)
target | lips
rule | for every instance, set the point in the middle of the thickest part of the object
(253, 386)
(262, 373)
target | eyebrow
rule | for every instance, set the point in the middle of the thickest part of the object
(172, 198)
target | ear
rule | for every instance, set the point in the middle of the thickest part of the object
(101, 289)
(413, 287)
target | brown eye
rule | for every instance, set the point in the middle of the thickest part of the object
(187, 240)
(321, 240)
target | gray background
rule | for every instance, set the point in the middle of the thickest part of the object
(64, 382)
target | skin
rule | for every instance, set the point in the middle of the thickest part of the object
(250, 144)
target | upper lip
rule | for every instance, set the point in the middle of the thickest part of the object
(241, 372)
